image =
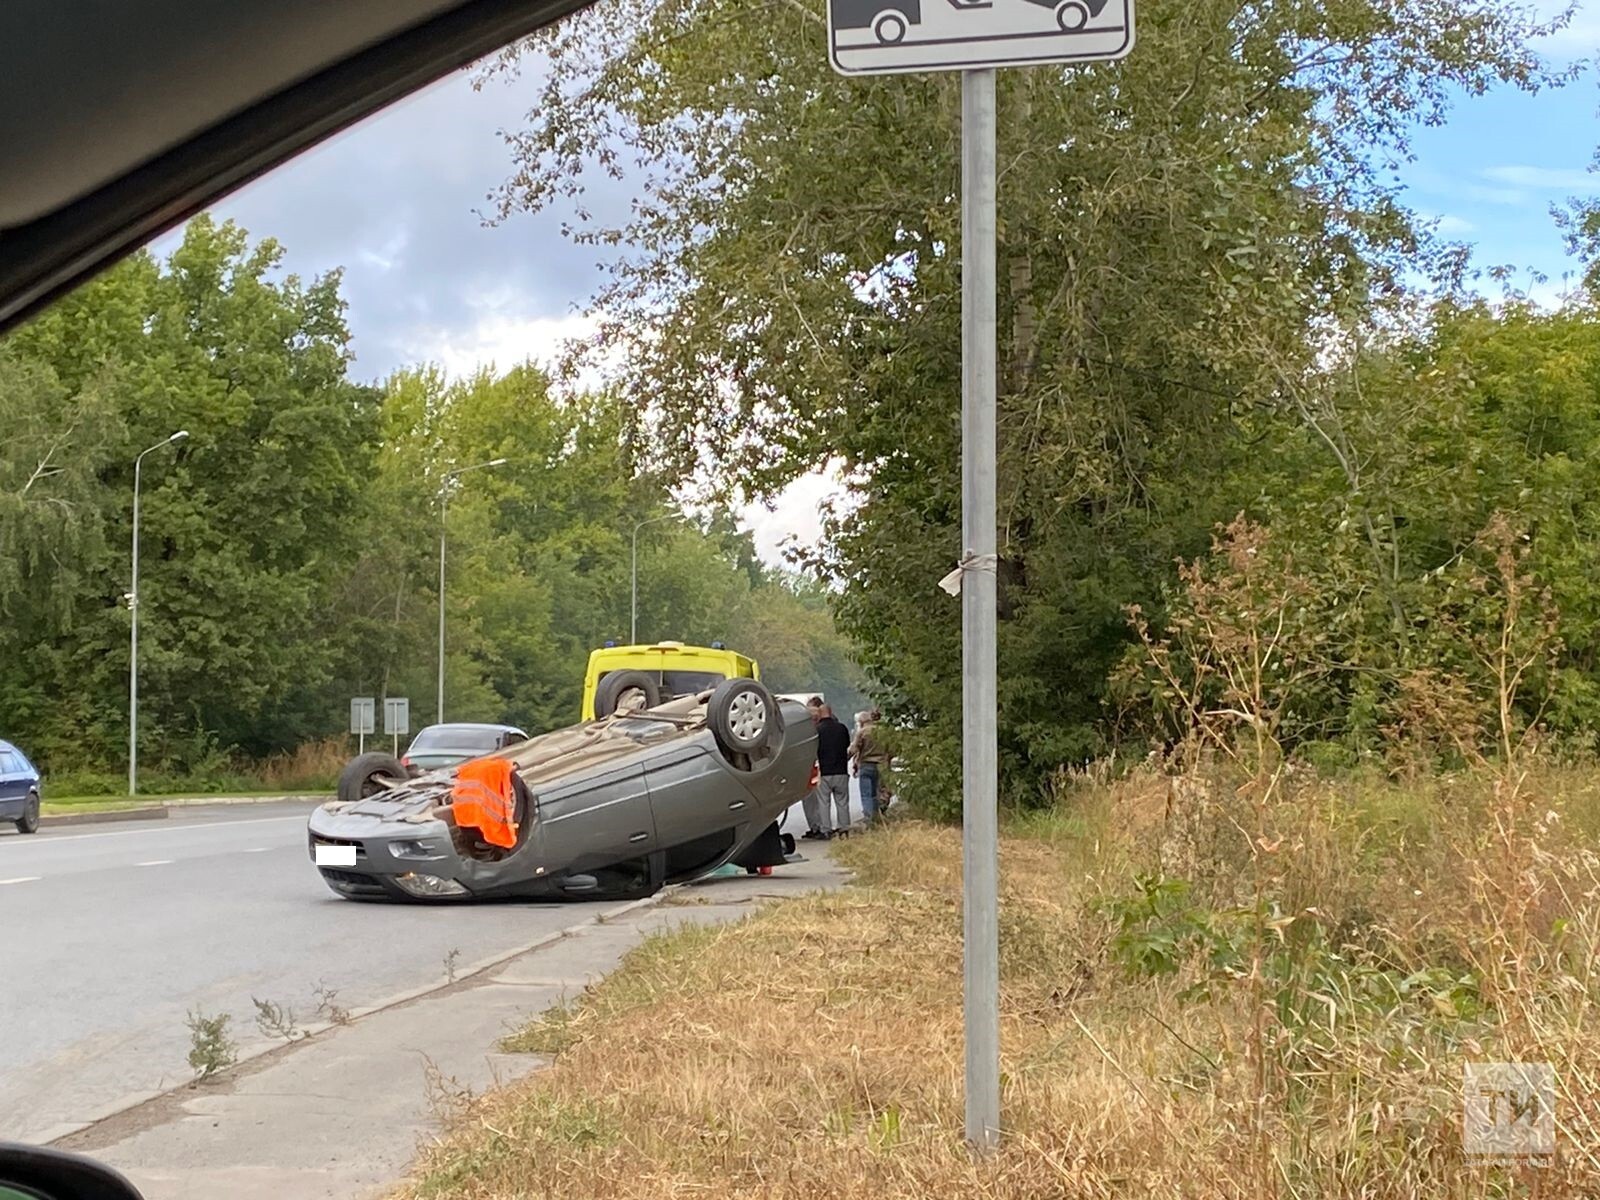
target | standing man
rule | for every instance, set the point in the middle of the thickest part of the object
(868, 760)
(818, 825)
(833, 764)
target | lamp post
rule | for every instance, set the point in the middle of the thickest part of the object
(633, 611)
(444, 500)
(133, 623)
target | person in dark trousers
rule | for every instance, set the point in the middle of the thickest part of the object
(833, 764)
(818, 825)
(870, 759)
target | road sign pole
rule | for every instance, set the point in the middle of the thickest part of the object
(979, 759)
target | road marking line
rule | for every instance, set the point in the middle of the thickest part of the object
(257, 850)
(50, 839)
(20, 879)
(155, 862)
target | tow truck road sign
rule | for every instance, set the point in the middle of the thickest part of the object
(881, 37)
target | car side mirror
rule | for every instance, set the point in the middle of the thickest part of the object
(38, 1173)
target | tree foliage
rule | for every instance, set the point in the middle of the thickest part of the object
(1179, 236)
(289, 546)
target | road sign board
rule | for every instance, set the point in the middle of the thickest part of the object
(361, 714)
(880, 37)
(396, 714)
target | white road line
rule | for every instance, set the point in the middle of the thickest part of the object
(256, 850)
(155, 862)
(19, 879)
(52, 838)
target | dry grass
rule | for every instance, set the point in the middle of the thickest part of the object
(815, 1050)
(311, 767)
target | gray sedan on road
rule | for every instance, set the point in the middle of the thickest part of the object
(613, 807)
(446, 745)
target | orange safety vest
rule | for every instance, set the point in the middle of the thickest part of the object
(483, 798)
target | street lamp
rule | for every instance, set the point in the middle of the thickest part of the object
(633, 620)
(133, 613)
(444, 500)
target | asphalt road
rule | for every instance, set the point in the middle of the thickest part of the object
(111, 934)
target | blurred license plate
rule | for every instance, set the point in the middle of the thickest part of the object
(336, 856)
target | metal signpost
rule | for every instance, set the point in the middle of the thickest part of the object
(396, 719)
(361, 714)
(874, 37)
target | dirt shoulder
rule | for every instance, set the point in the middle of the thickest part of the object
(1162, 1034)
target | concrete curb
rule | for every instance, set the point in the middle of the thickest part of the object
(297, 798)
(94, 818)
(259, 1049)
(163, 808)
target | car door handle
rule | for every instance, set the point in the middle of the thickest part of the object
(639, 837)
(737, 804)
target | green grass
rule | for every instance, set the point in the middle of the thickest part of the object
(76, 804)
(85, 804)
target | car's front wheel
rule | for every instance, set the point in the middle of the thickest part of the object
(369, 774)
(743, 715)
(28, 822)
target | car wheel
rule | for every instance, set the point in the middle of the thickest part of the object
(743, 715)
(622, 690)
(369, 774)
(889, 28)
(1071, 15)
(28, 822)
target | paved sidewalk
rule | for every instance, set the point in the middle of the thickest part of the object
(341, 1114)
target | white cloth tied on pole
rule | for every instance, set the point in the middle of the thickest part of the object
(951, 583)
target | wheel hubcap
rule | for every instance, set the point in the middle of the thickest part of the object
(747, 716)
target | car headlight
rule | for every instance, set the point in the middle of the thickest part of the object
(417, 849)
(427, 886)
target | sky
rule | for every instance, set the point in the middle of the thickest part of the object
(397, 202)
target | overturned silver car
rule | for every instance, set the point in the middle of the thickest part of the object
(615, 807)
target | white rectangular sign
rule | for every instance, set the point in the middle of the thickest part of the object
(335, 856)
(882, 37)
(396, 714)
(361, 714)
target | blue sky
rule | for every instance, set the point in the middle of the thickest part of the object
(1492, 172)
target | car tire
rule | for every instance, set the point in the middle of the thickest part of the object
(625, 689)
(369, 774)
(1071, 16)
(28, 822)
(889, 28)
(743, 715)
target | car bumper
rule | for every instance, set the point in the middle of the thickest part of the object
(367, 858)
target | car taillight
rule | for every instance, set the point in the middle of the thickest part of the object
(816, 775)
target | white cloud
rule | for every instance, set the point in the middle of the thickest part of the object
(1552, 178)
(1453, 226)
(795, 516)
(1580, 38)
(1513, 197)
(499, 340)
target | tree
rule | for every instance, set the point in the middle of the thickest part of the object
(247, 526)
(1175, 232)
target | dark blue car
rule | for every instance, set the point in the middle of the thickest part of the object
(19, 789)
